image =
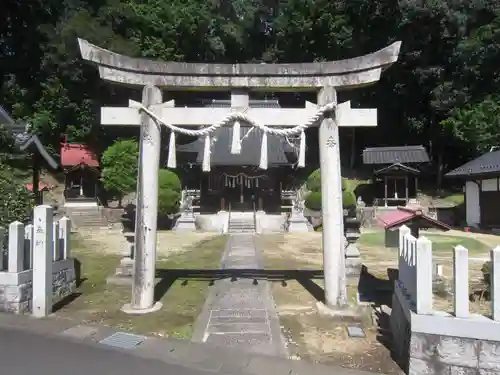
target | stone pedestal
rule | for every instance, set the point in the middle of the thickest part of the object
(186, 223)
(352, 255)
(298, 223)
(352, 260)
(123, 274)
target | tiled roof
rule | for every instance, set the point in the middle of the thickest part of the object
(393, 155)
(277, 146)
(397, 167)
(41, 186)
(404, 215)
(73, 154)
(24, 139)
(487, 164)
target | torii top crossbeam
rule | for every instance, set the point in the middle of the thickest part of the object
(341, 74)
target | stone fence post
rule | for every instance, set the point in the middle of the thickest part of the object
(42, 261)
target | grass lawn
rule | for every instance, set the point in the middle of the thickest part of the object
(100, 303)
(456, 199)
(440, 243)
(310, 335)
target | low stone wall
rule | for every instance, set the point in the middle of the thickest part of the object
(439, 343)
(16, 289)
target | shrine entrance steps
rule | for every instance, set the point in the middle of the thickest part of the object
(90, 216)
(241, 222)
(240, 313)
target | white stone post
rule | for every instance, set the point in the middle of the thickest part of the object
(461, 281)
(403, 232)
(42, 261)
(424, 276)
(16, 247)
(28, 243)
(495, 283)
(331, 205)
(64, 235)
(2, 237)
(146, 210)
(56, 253)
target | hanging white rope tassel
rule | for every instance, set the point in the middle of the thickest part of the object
(263, 152)
(172, 158)
(236, 143)
(302, 150)
(206, 154)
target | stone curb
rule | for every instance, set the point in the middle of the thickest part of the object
(196, 356)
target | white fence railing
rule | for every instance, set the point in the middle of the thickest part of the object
(416, 274)
(36, 268)
(18, 240)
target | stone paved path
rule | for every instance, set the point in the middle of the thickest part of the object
(241, 313)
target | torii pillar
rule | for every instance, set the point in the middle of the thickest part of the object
(325, 77)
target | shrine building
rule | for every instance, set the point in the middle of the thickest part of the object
(81, 175)
(235, 181)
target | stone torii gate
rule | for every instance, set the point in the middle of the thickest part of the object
(326, 78)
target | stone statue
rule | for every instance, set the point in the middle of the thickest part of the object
(187, 205)
(298, 205)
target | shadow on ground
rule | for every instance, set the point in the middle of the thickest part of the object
(378, 292)
(303, 277)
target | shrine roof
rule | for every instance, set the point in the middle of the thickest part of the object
(487, 165)
(278, 146)
(73, 154)
(398, 168)
(395, 155)
(24, 139)
(41, 186)
(403, 215)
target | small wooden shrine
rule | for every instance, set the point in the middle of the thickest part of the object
(412, 217)
(82, 172)
(395, 172)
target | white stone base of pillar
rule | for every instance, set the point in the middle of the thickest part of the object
(128, 309)
(185, 223)
(338, 311)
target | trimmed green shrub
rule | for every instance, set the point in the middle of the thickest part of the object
(169, 192)
(119, 167)
(313, 182)
(348, 199)
(313, 200)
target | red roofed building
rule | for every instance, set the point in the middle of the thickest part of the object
(73, 155)
(412, 217)
(81, 168)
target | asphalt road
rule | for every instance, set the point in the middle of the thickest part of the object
(25, 353)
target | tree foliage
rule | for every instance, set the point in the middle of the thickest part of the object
(447, 70)
(119, 167)
(16, 201)
(169, 192)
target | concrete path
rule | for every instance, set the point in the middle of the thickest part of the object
(240, 313)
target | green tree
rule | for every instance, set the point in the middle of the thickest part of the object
(477, 125)
(169, 192)
(119, 167)
(16, 201)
